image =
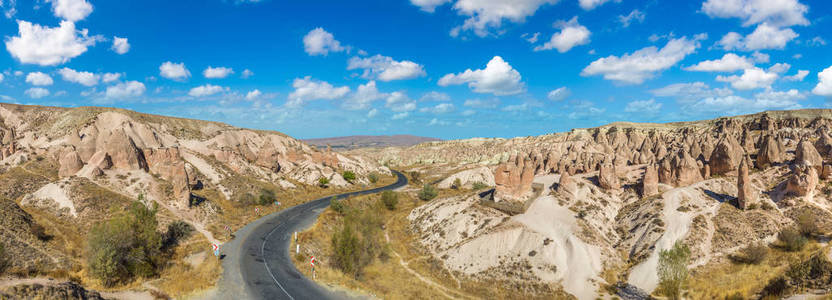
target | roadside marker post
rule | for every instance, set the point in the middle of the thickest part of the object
(216, 249)
(312, 263)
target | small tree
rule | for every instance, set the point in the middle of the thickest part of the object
(807, 224)
(346, 246)
(337, 206)
(791, 239)
(752, 254)
(323, 181)
(673, 270)
(349, 176)
(416, 176)
(428, 192)
(267, 197)
(457, 184)
(373, 177)
(390, 199)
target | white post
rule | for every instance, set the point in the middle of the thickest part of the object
(298, 249)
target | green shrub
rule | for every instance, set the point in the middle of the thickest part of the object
(752, 254)
(345, 245)
(807, 224)
(125, 247)
(428, 192)
(776, 287)
(673, 270)
(478, 186)
(267, 197)
(349, 176)
(791, 239)
(457, 184)
(373, 177)
(390, 199)
(358, 240)
(416, 177)
(177, 232)
(338, 206)
(323, 181)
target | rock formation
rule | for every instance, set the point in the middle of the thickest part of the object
(746, 194)
(70, 164)
(808, 155)
(771, 152)
(679, 170)
(650, 182)
(726, 156)
(514, 178)
(566, 186)
(607, 178)
(803, 180)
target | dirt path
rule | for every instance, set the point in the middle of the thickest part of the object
(441, 289)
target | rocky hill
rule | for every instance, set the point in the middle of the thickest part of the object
(368, 141)
(590, 208)
(62, 170)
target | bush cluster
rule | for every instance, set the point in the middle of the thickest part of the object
(357, 241)
(428, 192)
(266, 197)
(373, 177)
(390, 199)
(673, 270)
(791, 239)
(478, 186)
(337, 206)
(349, 176)
(752, 254)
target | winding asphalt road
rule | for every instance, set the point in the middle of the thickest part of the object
(257, 263)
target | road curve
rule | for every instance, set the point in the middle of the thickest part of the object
(257, 263)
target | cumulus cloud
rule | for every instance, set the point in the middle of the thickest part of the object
(400, 116)
(174, 71)
(253, 95)
(71, 10)
(110, 77)
(750, 79)
(780, 13)
(39, 78)
(498, 78)
(320, 42)
(440, 108)
(779, 68)
(687, 93)
(824, 87)
(435, 96)
(372, 113)
(120, 45)
(642, 64)
(429, 5)
(531, 38)
(760, 57)
(479, 103)
(571, 34)
(732, 104)
(48, 46)
(82, 78)
(559, 94)
(205, 90)
(363, 97)
(308, 89)
(399, 102)
(799, 76)
(125, 90)
(763, 37)
(643, 107)
(729, 62)
(592, 4)
(384, 68)
(485, 15)
(36, 93)
(218, 72)
(634, 16)
(246, 74)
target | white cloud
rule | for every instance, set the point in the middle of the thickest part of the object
(571, 34)
(36, 93)
(559, 94)
(766, 100)
(440, 108)
(125, 89)
(1, 77)
(110, 77)
(400, 116)
(71, 10)
(120, 45)
(485, 15)
(478, 103)
(760, 57)
(47, 46)
(384, 68)
(687, 93)
(9, 9)
(435, 96)
(400, 102)
(205, 90)
(246, 74)
(753, 78)
(780, 13)
(635, 68)
(729, 62)
(429, 5)
(635, 15)
(779, 68)
(174, 71)
(39, 78)
(253, 95)
(83, 78)
(498, 78)
(643, 107)
(372, 113)
(320, 42)
(436, 121)
(799, 76)
(308, 89)
(363, 97)
(817, 41)
(531, 38)
(764, 36)
(592, 4)
(469, 112)
(824, 87)
(585, 110)
(218, 72)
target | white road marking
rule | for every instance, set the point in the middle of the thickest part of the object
(265, 263)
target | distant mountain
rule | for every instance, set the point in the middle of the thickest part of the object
(369, 141)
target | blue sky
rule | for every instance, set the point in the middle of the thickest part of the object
(441, 68)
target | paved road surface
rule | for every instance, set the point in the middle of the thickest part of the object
(257, 265)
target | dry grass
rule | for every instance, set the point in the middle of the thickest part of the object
(717, 281)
